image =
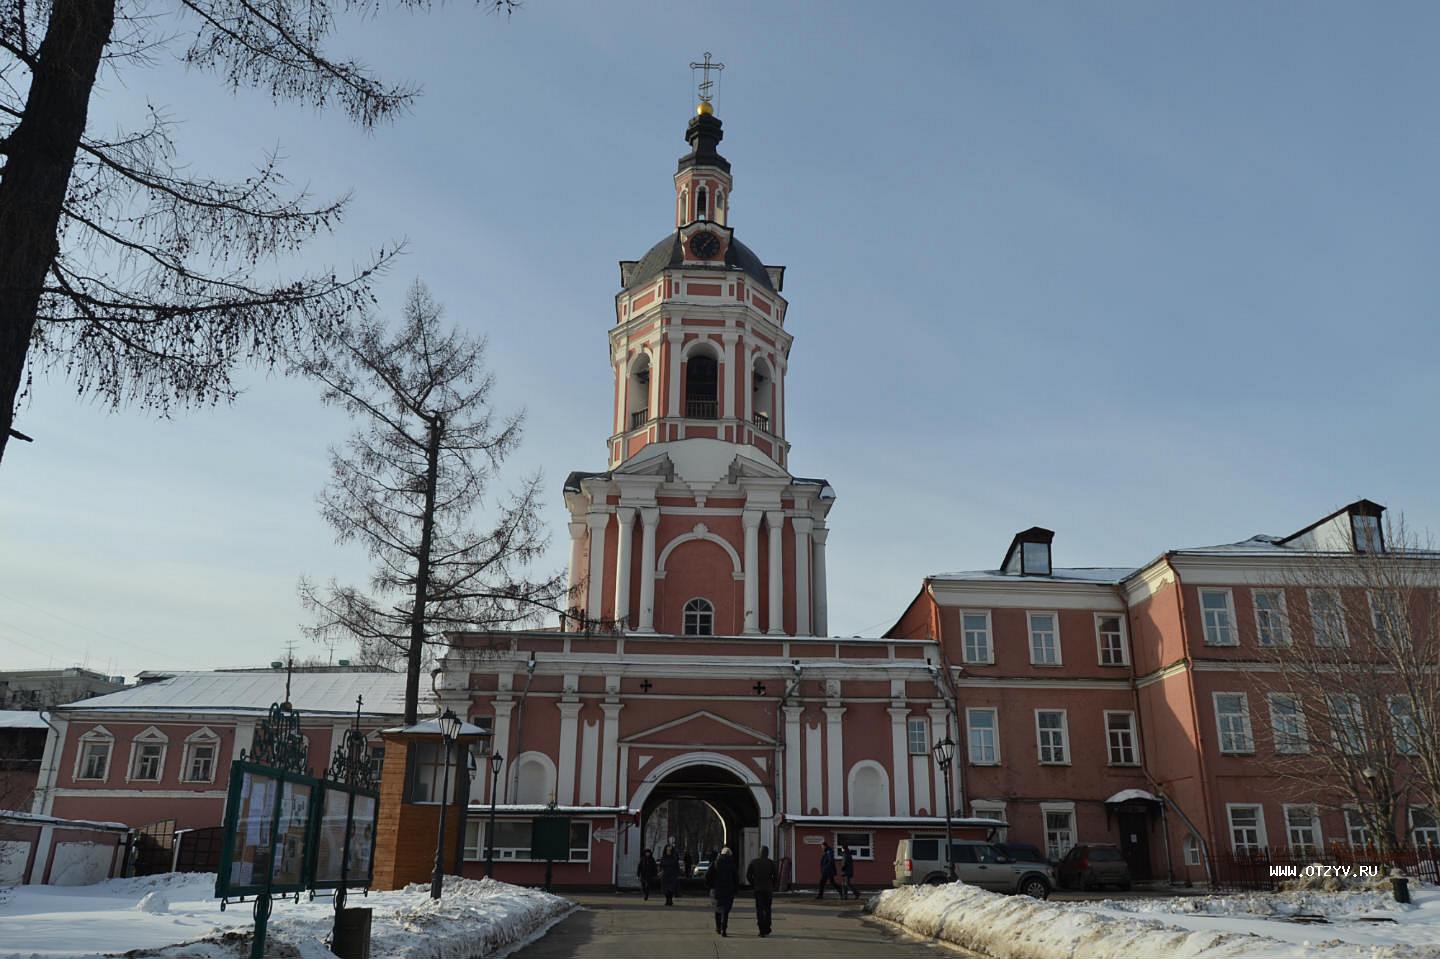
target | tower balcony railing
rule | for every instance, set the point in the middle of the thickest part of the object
(761, 420)
(702, 409)
(639, 418)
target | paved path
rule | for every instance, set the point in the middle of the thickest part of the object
(622, 926)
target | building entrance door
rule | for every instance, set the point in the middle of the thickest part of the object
(701, 809)
(1135, 843)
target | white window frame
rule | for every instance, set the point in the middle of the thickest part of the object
(1060, 809)
(1378, 626)
(1064, 738)
(855, 849)
(1430, 833)
(204, 736)
(1319, 633)
(149, 737)
(700, 617)
(474, 852)
(991, 809)
(1263, 840)
(1355, 710)
(1055, 630)
(1231, 625)
(1300, 743)
(519, 854)
(1312, 848)
(917, 724)
(1407, 741)
(1249, 728)
(1133, 733)
(1192, 850)
(94, 736)
(1357, 832)
(988, 658)
(1281, 629)
(970, 730)
(1100, 640)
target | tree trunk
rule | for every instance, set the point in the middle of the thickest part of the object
(416, 652)
(40, 154)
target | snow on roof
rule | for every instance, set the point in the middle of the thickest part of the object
(331, 692)
(1127, 795)
(15, 815)
(538, 809)
(432, 726)
(1098, 575)
(21, 719)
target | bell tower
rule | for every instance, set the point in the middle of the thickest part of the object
(669, 539)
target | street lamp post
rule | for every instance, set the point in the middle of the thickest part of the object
(449, 732)
(944, 752)
(496, 761)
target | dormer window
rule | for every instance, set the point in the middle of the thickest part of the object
(1035, 559)
(1029, 553)
(1366, 530)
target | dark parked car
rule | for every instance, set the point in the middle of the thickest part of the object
(1023, 852)
(1091, 866)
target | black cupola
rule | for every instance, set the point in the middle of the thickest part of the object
(703, 134)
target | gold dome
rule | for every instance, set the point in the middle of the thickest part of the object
(704, 109)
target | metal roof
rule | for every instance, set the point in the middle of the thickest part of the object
(21, 719)
(330, 692)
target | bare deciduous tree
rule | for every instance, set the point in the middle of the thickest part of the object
(135, 277)
(409, 484)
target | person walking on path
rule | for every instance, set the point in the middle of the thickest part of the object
(847, 871)
(763, 878)
(723, 879)
(827, 872)
(649, 870)
(689, 865)
(669, 874)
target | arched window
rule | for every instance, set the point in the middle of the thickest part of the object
(869, 790)
(720, 207)
(701, 196)
(534, 779)
(699, 618)
(684, 207)
(638, 401)
(702, 386)
(762, 390)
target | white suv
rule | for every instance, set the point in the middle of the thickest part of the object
(980, 864)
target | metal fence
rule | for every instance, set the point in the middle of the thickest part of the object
(1264, 868)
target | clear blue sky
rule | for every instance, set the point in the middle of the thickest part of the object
(1150, 274)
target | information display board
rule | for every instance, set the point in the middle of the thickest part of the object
(267, 822)
(550, 839)
(330, 838)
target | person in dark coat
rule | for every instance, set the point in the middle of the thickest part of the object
(689, 865)
(669, 874)
(648, 872)
(827, 872)
(723, 881)
(847, 872)
(763, 877)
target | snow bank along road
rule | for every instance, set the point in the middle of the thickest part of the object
(1361, 925)
(175, 916)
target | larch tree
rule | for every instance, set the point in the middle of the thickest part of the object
(411, 486)
(137, 278)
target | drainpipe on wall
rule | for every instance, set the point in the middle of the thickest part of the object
(44, 799)
(946, 686)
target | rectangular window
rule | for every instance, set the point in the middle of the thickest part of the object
(1368, 538)
(1387, 618)
(1052, 736)
(1120, 736)
(513, 836)
(1327, 618)
(1217, 608)
(862, 845)
(976, 627)
(1356, 832)
(1302, 830)
(1044, 639)
(988, 809)
(1110, 635)
(1247, 829)
(1270, 629)
(1192, 850)
(1406, 729)
(1347, 722)
(147, 762)
(1035, 559)
(918, 734)
(1059, 832)
(427, 766)
(1424, 827)
(984, 736)
(1287, 720)
(474, 840)
(1232, 719)
(201, 767)
(95, 760)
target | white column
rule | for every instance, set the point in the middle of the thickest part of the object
(939, 729)
(817, 577)
(751, 521)
(596, 585)
(802, 526)
(775, 523)
(569, 739)
(576, 592)
(728, 359)
(610, 752)
(834, 761)
(794, 801)
(649, 517)
(500, 743)
(900, 759)
(675, 336)
(625, 516)
(749, 379)
(622, 404)
(777, 416)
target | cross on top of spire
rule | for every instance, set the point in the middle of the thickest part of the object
(706, 87)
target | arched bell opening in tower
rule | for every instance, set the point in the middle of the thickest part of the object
(638, 401)
(762, 393)
(702, 385)
(702, 203)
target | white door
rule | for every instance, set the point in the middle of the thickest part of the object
(749, 848)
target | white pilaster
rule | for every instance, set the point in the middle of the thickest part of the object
(44, 799)
(649, 517)
(609, 752)
(802, 526)
(900, 759)
(577, 599)
(834, 761)
(778, 416)
(939, 729)
(500, 743)
(775, 524)
(569, 739)
(674, 336)
(622, 403)
(625, 517)
(728, 359)
(589, 761)
(794, 801)
(751, 521)
(596, 584)
(814, 754)
(817, 576)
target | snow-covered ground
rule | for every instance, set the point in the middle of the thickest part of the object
(1254, 926)
(176, 916)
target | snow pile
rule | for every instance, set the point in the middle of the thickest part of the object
(1017, 927)
(175, 916)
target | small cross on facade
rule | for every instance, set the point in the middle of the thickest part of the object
(759, 688)
(646, 685)
(707, 86)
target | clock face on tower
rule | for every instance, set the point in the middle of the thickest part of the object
(704, 245)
